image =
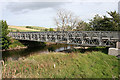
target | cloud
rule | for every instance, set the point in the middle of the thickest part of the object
(43, 13)
(26, 6)
(59, 0)
(23, 6)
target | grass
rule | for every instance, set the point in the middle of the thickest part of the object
(95, 64)
(25, 28)
(90, 49)
(15, 44)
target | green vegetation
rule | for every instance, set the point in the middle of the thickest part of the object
(5, 38)
(105, 23)
(7, 42)
(83, 26)
(40, 28)
(35, 27)
(15, 44)
(51, 29)
(93, 64)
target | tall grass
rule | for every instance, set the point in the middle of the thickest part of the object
(93, 64)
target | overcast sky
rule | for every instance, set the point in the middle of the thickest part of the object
(38, 13)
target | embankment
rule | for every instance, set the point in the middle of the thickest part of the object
(62, 65)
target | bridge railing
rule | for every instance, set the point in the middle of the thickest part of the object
(84, 38)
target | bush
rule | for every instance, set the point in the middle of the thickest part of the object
(5, 38)
(51, 29)
(29, 27)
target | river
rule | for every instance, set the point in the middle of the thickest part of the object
(16, 54)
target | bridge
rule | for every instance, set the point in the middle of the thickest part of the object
(82, 38)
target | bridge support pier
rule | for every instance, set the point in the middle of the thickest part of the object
(115, 51)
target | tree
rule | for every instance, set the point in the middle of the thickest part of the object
(115, 20)
(66, 21)
(51, 29)
(83, 26)
(95, 23)
(17, 30)
(105, 23)
(5, 38)
(46, 29)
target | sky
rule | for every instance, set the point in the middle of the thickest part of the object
(42, 13)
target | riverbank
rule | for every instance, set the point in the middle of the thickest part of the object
(16, 48)
(89, 64)
(15, 45)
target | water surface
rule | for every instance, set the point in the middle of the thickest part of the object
(16, 54)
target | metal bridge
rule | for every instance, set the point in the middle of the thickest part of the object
(82, 38)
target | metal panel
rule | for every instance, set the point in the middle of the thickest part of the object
(84, 38)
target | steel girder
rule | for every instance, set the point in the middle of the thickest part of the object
(83, 38)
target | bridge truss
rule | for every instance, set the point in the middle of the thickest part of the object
(83, 38)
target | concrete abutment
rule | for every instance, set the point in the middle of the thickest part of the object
(115, 51)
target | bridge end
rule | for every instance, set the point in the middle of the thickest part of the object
(115, 51)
